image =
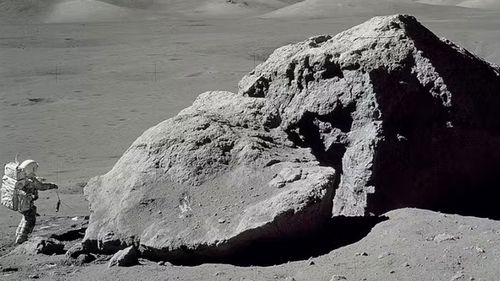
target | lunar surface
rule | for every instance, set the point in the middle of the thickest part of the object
(81, 80)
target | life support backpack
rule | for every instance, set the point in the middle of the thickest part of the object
(12, 194)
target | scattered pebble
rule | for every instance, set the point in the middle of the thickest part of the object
(383, 255)
(458, 276)
(218, 273)
(338, 277)
(49, 265)
(164, 263)
(444, 237)
(364, 254)
(10, 269)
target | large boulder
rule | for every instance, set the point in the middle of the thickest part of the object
(203, 182)
(381, 116)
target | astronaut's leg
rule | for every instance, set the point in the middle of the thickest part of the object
(26, 225)
(20, 228)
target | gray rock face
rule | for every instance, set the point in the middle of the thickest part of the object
(125, 257)
(199, 182)
(380, 116)
(406, 118)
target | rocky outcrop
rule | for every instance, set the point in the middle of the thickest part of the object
(380, 116)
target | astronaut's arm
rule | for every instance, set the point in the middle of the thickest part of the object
(41, 186)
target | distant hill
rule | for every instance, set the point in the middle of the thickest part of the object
(344, 8)
(58, 11)
(479, 4)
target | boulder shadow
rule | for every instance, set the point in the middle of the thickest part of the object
(336, 233)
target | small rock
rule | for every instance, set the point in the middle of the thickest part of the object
(125, 257)
(383, 255)
(34, 276)
(218, 273)
(75, 251)
(10, 269)
(480, 250)
(161, 263)
(221, 220)
(84, 258)
(406, 264)
(392, 272)
(444, 237)
(364, 254)
(39, 245)
(458, 276)
(337, 278)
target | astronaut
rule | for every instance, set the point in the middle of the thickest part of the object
(32, 186)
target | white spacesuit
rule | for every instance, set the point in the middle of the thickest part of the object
(32, 184)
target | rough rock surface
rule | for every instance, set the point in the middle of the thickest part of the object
(380, 116)
(125, 257)
(200, 182)
(406, 118)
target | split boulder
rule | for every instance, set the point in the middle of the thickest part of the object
(381, 116)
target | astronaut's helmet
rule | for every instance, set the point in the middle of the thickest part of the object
(29, 167)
